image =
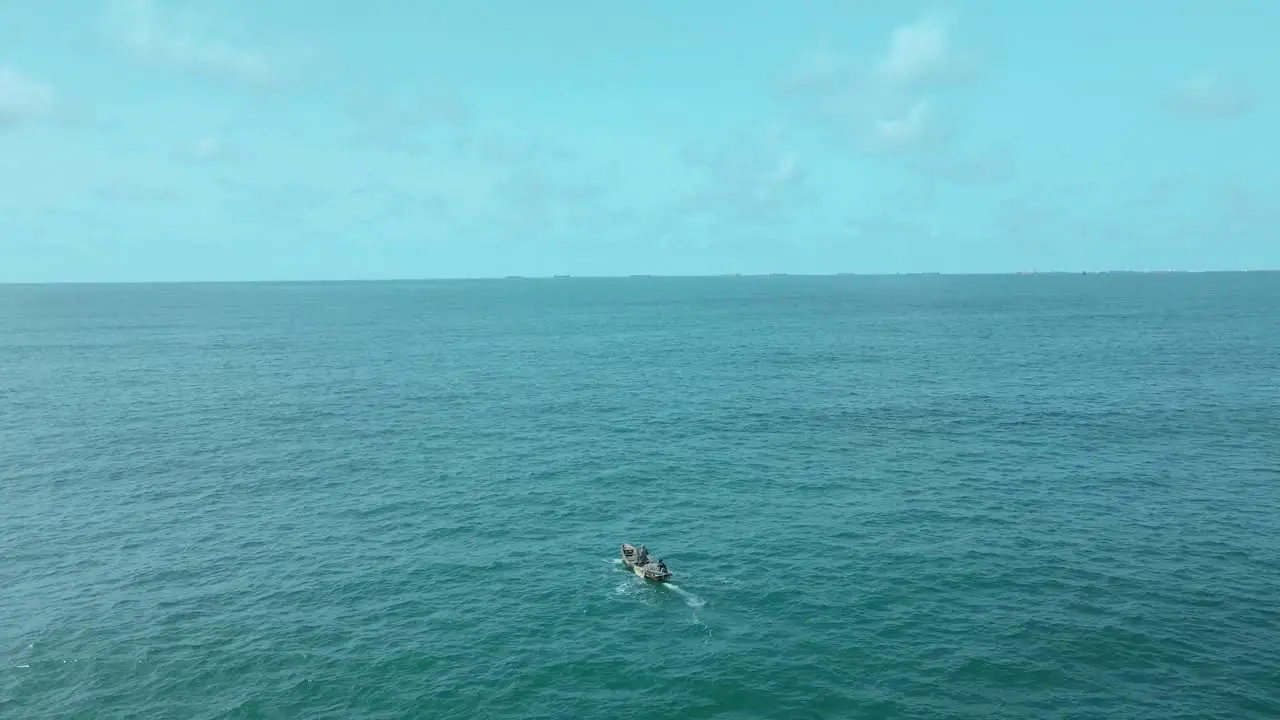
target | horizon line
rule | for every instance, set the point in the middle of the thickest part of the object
(639, 276)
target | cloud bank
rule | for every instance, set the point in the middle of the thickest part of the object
(185, 44)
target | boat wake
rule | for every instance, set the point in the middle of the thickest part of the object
(690, 599)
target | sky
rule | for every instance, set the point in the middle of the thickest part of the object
(152, 140)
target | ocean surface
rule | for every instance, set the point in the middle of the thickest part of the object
(882, 497)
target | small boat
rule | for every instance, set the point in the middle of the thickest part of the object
(637, 559)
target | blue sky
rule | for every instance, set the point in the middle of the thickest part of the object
(227, 139)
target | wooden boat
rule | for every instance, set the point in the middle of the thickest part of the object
(637, 559)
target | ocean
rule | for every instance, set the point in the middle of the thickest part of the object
(1042, 496)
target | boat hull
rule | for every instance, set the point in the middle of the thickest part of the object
(651, 578)
(641, 571)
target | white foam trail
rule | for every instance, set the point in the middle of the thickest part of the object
(689, 598)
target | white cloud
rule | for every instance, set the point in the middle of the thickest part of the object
(921, 54)
(206, 148)
(911, 131)
(22, 97)
(1209, 96)
(151, 37)
(888, 103)
(786, 170)
(752, 180)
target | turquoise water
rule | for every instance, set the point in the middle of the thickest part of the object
(929, 497)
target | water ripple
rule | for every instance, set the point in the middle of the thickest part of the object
(1048, 497)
